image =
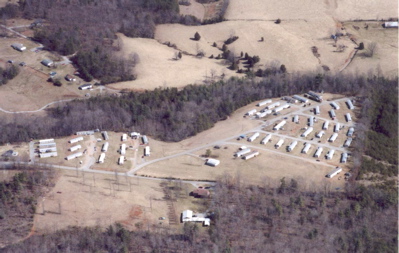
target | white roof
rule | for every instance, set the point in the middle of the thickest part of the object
(187, 214)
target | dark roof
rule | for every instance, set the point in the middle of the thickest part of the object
(200, 192)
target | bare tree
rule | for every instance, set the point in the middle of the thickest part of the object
(371, 49)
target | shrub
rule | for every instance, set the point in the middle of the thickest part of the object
(278, 21)
(197, 36)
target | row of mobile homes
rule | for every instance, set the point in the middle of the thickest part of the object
(101, 158)
(330, 154)
(46, 141)
(317, 110)
(318, 152)
(306, 148)
(77, 139)
(307, 132)
(320, 134)
(350, 132)
(250, 155)
(311, 121)
(279, 144)
(105, 135)
(251, 112)
(19, 47)
(332, 114)
(296, 119)
(105, 147)
(279, 125)
(334, 172)
(266, 139)
(313, 95)
(335, 105)
(292, 146)
(212, 162)
(123, 149)
(147, 151)
(337, 127)
(344, 157)
(144, 139)
(271, 106)
(46, 145)
(268, 101)
(74, 148)
(333, 137)
(47, 155)
(300, 99)
(325, 125)
(124, 137)
(282, 107)
(348, 117)
(121, 160)
(242, 152)
(253, 137)
(73, 156)
(348, 142)
(350, 104)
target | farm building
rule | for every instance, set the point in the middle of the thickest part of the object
(349, 104)
(105, 147)
(391, 24)
(46, 141)
(251, 112)
(105, 135)
(123, 149)
(250, 155)
(325, 125)
(292, 146)
(313, 95)
(266, 139)
(70, 78)
(73, 156)
(330, 154)
(311, 121)
(77, 139)
(351, 130)
(121, 160)
(47, 62)
(295, 119)
(317, 110)
(273, 105)
(344, 157)
(212, 162)
(46, 155)
(332, 114)
(242, 152)
(307, 132)
(147, 151)
(47, 149)
(268, 101)
(19, 47)
(301, 99)
(348, 142)
(282, 107)
(86, 86)
(320, 134)
(124, 137)
(85, 132)
(74, 148)
(318, 152)
(144, 139)
(50, 144)
(189, 216)
(348, 117)
(337, 127)
(306, 148)
(279, 125)
(253, 137)
(200, 192)
(101, 158)
(334, 172)
(333, 137)
(279, 144)
(335, 105)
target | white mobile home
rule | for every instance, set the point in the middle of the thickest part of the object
(317, 110)
(105, 135)
(105, 147)
(212, 162)
(121, 160)
(279, 144)
(301, 99)
(242, 152)
(350, 131)
(307, 132)
(311, 121)
(250, 155)
(344, 157)
(333, 137)
(86, 86)
(123, 149)
(46, 155)
(330, 154)
(348, 142)
(337, 127)
(268, 101)
(46, 145)
(19, 47)
(47, 149)
(266, 139)
(306, 148)
(273, 105)
(334, 172)
(266, 111)
(325, 125)
(77, 139)
(282, 107)
(296, 119)
(253, 137)
(391, 24)
(147, 151)
(74, 148)
(47, 62)
(320, 134)
(292, 146)
(335, 105)
(251, 112)
(46, 141)
(280, 125)
(73, 156)
(101, 158)
(348, 117)
(350, 104)
(318, 152)
(91, 132)
(144, 139)
(124, 137)
(261, 114)
(315, 96)
(332, 114)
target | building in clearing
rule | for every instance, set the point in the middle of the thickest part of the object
(296, 119)
(212, 162)
(251, 112)
(242, 152)
(350, 104)
(350, 131)
(344, 157)
(279, 144)
(124, 137)
(123, 149)
(268, 101)
(333, 137)
(144, 139)
(73, 156)
(307, 132)
(318, 152)
(332, 114)
(306, 148)
(348, 142)
(292, 146)
(279, 125)
(253, 137)
(317, 110)
(271, 106)
(46, 141)
(335, 105)
(325, 125)
(266, 139)
(105, 135)
(189, 216)
(200, 192)
(91, 132)
(348, 117)
(46, 155)
(47, 62)
(320, 134)
(101, 158)
(250, 155)
(334, 172)
(105, 147)
(86, 86)
(77, 139)
(147, 151)
(121, 160)
(19, 47)
(301, 99)
(337, 127)
(311, 121)
(330, 154)
(74, 148)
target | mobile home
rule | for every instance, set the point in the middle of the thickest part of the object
(144, 139)
(301, 99)
(105, 147)
(124, 137)
(73, 156)
(101, 158)
(251, 112)
(253, 137)
(337, 127)
(250, 155)
(320, 134)
(335, 105)
(121, 160)
(279, 144)
(318, 152)
(212, 162)
(348, 117)
(280, 125)
(147, 151)
(242, 152)
(344, 157)
(46, 141)
(348, 142)
(123, 149)
(77, 139)
(332, 114)
(271, 106)
(266, 139)
(330, 154)
(317, 110)
(311, 121)
(74, 148)
(47, 149)
(292, 146)
(325, 125)
(268, 101)
(296, 119)
(306, 148)
(350, 131)
(105, 135)
(350, 104)
(307, 132)
(334, 172)
(333, 137)
(46, 155)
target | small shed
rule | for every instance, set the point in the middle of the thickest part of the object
(19, 47)
(200, 193)
(70, 78)
(47, 62)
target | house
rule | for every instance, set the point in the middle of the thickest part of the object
(47, 62)
(212, 162)
(200, 192)
(70, 78)
(86, 86)
(190, 216)
(19, 47)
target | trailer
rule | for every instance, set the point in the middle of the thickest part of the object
(318, 152)
(123, 149)
(344, 157)
(348, 142)
(313, 95)
(242, 152)
(279, 144)
(332, 114)
(264, 102)
(334, 172)
(91, 132)
(147, 151)
(282, 107)
(301, 99)
(105, 135)
(330, 154)
(105, 147)
(292, 146)
(306, 148)
(101, 158)
(121, 160)
(46, 141)
(134, 135)
(266, 139)
(311, 121)
(74, 148)
(212, 162)
(317, 110)
(77, 139)
(124, 137)
(47, 155)
(45, 145)
(271, 106)
(279, 125)
(251, 112)
(337, 127)
(333, 137)
(307, 132)
(320, 134)
(335, 105)
(250, 155)
(325, 125)
(350, 104)
(266, 111)
(253, 137)
(348, 117)
(144, 139)
(296, 119)
(261, 114)
(350, 132)
(73, 156)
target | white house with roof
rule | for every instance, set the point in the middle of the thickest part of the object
(190, 216)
